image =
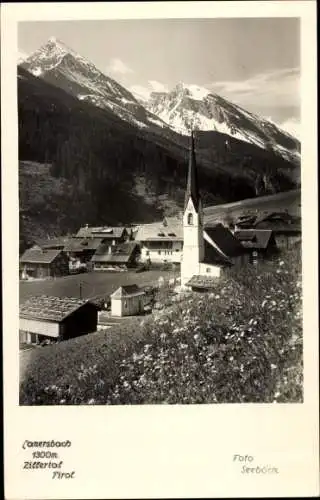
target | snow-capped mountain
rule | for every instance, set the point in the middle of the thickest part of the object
(63, 67)
(183, 108)
(191, 106)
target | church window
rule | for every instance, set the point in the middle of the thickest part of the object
(190, 219)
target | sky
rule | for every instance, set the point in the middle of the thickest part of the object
(254, 62)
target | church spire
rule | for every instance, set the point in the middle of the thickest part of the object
(192, 184)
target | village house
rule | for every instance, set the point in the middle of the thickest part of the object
(127, 300)
(161, 242)
(81, 250)
(53, 318)
(258, 242)
(122, 256)
(285, 227)
(84, 244)
(41, 263)
(57, 243)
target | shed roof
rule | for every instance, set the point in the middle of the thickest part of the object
(254, 238)
(121, 253)
(39, 256)
(171, 230)
(105, 232)
(199, 281)
(127, 291)
(50, 308)
(225, 240)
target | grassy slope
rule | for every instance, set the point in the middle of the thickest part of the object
(242, 343)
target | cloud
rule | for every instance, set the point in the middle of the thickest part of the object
(263, 90)
(118, 66)
(143, 92)
(158, 86)
(292, 126)
(21, 56)
(140, 91)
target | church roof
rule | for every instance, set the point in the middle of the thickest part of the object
(225, 240)
(192, 183)
(199, 281)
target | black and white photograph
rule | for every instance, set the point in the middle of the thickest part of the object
(160, 212)
(160, 249)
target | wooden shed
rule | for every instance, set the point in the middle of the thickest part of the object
(42, 263)
(127, 301)
(54, 318)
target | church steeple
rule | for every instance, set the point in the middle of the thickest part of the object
(192, 190)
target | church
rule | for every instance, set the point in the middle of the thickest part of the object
(202, 259)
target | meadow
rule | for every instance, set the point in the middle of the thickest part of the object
(240, 343)
(92, 284)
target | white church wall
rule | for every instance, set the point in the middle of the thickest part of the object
(209, 270)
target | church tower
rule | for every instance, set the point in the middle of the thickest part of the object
(193, 243)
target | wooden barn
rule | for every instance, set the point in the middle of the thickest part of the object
(42, 263)
(259, 242)
(127, 300)
(286, 228)
(122, 256)
(54, 318)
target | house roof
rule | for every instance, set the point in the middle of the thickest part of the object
(199, 281)
(120, 254)
(105, 232)
(172, 230)
(39, 256)
(225, 240)
(213, 256)
(192, 190)
(82, 244)
(127, 291)
(254, 238)
(48, 243)
(50, 308)
(280, 222)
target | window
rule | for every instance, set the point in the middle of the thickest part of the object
(147, 252)
(159, 252)
(208, 270)
(125, 304)
(190, 219)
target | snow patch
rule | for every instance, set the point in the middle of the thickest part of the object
(37, 71)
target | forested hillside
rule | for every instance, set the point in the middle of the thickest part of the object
(116, 172)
